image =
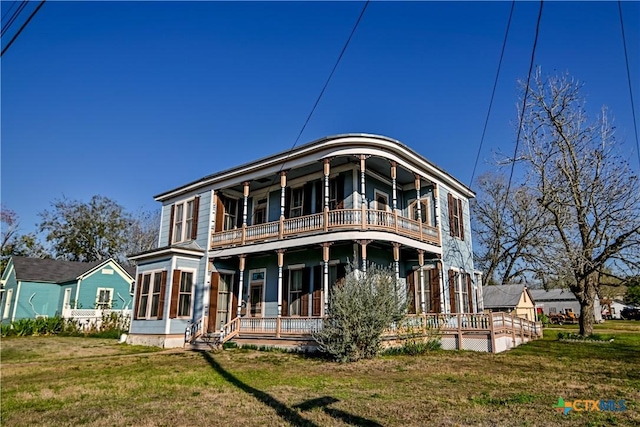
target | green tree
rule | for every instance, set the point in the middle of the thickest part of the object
(632, 297)
(15, 244)
(87, 232)
(361, 307)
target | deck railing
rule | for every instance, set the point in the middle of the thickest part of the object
(458, 326)
(340, 219)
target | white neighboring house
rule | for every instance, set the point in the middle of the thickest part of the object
(557, 300)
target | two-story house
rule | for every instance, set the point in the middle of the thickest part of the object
(266, 241)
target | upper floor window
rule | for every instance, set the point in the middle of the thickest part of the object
(456, 219)
(425, 215)
(260, 212)
(230, 213)
(297, 201)
(184, 220)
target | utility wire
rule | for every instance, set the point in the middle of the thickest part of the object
(524, 106)
(493, 92)
(4, 15)
(13, 17)
(326, 84)
(626, 59)
(22, 28)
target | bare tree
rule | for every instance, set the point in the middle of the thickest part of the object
(586, 186)
(143, 232)
(13, 243)
(510, 232)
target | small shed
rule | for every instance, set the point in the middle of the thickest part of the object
(514, 299)
(558, 300)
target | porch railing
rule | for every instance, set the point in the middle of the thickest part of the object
(340, 219)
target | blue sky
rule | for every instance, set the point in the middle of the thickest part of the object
(130, 99)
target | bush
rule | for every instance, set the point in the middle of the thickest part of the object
(361, 307)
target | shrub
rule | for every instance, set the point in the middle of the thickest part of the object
(361, 307)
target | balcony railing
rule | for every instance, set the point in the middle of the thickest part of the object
(342, 219)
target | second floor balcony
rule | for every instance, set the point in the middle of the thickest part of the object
(327, 222)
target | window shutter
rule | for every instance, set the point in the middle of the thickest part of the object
(469, 293)
(194, 222)
(219, 213)
(306, 198)
(319, 202)
(213, 302)
(450, 202)
(173, 211)
(411, 292)
(234, 296)
(452, 291)
(137, 290)
(163, 290)
(434, 282)
(304, 300)
(285, 293)
(175, 290)
(318, 287)
(287, 202)
(461, 219)
(340, 192)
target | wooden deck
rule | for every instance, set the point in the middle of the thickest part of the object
(494, 332)
(335, 220)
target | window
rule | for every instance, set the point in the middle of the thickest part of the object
(260, 212)
(7, 304)
(459, 291)
(143, 297)
(333, 194)
(184, 220)
(382, 200)
(297, 201)
(295, 293)
(424, 213)
(104, 298)
(224, 299)
(230, 213)
(150, 303)
(184, 295)
(456, 220)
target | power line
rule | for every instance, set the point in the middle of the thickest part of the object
(13, 17)
(4, 15)
(626, 59)
(22, 28)
(524, 105)
(493, 92)
(326, 84)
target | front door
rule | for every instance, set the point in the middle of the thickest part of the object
(255, 301)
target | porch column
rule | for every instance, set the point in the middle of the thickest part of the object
(280, 264)
(418, 204)
(396, 260)
(363, 196)
(394, 186)
(244, 210)
(327, 168)
(441, 284)
(283, 185)
(241, 281)
(325, 277)
(421, 264)
(436, 205)
(363, 245)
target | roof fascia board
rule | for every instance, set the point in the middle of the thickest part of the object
(189, 252)
(327, 147)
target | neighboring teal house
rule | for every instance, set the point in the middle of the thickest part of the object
(35, 287)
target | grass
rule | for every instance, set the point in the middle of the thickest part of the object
(53, 381)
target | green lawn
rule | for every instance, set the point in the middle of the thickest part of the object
(50, 381)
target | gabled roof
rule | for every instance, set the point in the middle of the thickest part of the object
(502, 295)
(53, 270)
(540, 295)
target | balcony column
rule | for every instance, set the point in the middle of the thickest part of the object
(327, 168)
(394, 186)
(436, 205)
(283, 185)
(396, 260)
(245, 205)
(363, 193)
(280, 264)
(421, 264)
(325, 278)
(418, 204)
(241, 281)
